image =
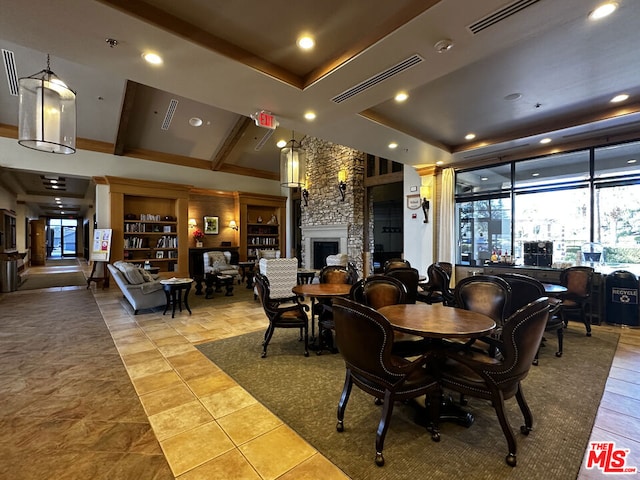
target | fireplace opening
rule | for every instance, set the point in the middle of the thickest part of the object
(321, 250)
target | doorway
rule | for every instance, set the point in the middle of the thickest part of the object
(62, 238)
(388, 234)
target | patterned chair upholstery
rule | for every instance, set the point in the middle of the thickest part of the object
(282, 274)
(338, 259)
(220, 263)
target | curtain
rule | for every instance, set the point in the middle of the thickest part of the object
(446, 231)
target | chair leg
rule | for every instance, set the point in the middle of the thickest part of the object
(498, 405)
(586, 321)
(342, 404)
(267, 338)
(305, 331)
(526, 412)
(560, 342)
(383, 426)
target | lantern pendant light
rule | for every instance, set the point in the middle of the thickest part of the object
(292, 164)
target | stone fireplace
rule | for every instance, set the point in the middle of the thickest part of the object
(319, 237)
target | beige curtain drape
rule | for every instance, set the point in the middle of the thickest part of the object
(446, 229)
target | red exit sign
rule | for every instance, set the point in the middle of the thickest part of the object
(265, 120)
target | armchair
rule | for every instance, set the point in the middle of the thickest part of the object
(219, 263)
(478, 375)
(365, 339)
(574, 301)
(437, 288)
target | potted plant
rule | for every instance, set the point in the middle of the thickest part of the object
(198, 236)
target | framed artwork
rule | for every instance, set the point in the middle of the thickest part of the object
(211, 225)
(159, 254)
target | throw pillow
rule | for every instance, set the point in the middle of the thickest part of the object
(131, 273)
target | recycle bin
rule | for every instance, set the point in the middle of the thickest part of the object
(8, 275)
(621, 294)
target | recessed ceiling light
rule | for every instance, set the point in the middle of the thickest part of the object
(281, 143)
(484, 179)
(535, 174)
(545, 140)
(54, 186)
(393, 145)
(401, 96)
(439, 162)
(310, 116)
(633, 160)
(620, 98)
(470, 136)
(152, 58)
(195, 122)
(443, 46)
(60, 206)
(603, 10)
(57, 199)
(513, 96)
(61, 213)
(306, 42)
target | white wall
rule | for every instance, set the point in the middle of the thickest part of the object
(418, 236)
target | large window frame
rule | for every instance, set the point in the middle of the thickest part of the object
(597, 170)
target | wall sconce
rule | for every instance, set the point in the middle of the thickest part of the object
(233, 225)
(305, 196)
(47, 113)
(425, 192)
(192, 223)
(342, 183)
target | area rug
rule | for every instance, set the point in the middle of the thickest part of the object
(49, 280)
(563, 394)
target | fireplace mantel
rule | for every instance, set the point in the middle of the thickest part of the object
(322, 232)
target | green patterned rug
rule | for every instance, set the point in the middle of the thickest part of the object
(563, 394)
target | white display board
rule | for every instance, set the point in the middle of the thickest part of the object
(101, 246)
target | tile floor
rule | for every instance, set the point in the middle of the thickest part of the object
(208, 427)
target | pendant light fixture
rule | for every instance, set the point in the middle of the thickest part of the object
(292, 164)
(47, 113)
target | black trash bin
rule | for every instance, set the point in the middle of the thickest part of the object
(621, 293)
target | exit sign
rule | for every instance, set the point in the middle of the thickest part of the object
(265, 120)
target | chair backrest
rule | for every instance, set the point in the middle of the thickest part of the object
(381, 290)
(577, 280)
(524, 290)
(446, 266)
(282, 274)
(486, 294)
(262, 289)
(337, 274)
(521, 337)
(395, 263)
(340, 259)
(364, 338)
(356, 293)
(409, 277)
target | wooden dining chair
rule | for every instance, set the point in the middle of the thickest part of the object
(475, 374)
(282, 314)
(324, 307)
(395, 263)
(437, 288)
(410, 278)
(578, 281)
(365, 340)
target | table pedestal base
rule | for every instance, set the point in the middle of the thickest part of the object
(449, 412)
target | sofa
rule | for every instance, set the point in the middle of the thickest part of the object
(141, 289)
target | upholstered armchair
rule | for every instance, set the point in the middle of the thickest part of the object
(478, 375)
(338, 259)
(395, 263)
(574, 301)
(409, 277)
(282, 274)
(220, 263)
(365, 341)
(437, 288)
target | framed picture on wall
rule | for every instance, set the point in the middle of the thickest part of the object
(211, 225)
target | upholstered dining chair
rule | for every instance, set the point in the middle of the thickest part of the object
(578, 281)
(290, 315)
(323, 308)
(478, 375)
(524, 290)
(486, 294)
(395, 263)
(410, 278)
(437, 289)
(365, 340)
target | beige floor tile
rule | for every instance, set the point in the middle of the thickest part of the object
(313, 467)
(148, 368)
(179, 419)
(276, 452)
(196, 369)
(155, 382)
(142, 357)
(210, 384)
(195, 447)
(166, 399)
(172, 350)
(136, 347)
(231, 465)
(249, 423)
(227, 401)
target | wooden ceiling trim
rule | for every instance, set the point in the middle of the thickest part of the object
(230, 142)
(125, 116)
(250, 172)
(168, 158)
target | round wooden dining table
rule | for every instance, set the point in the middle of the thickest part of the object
(320, 290)
(437, 321)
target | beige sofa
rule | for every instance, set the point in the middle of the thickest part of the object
(138, 286)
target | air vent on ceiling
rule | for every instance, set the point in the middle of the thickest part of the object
(169, 116)
(499, 15)
(380, 77)
(12, 73)
(264, 139)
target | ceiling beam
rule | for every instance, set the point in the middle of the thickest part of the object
(230, 142)
(125, 116)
